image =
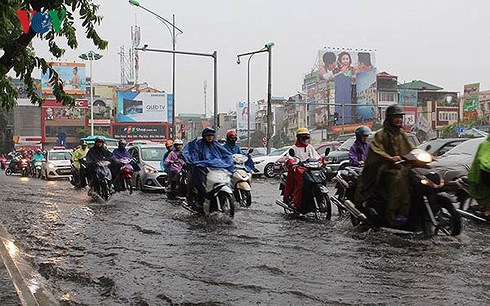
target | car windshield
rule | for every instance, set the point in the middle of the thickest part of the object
(347, 144)
(278, 152)
(468, 147)
(152, 154)
(59, 156)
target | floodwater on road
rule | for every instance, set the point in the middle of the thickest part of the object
(146, 250)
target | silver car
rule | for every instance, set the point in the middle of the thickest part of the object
(151, 177)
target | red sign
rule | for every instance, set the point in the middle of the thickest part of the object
(54, 103)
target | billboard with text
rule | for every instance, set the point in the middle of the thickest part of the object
(144, 107)
(71, 74)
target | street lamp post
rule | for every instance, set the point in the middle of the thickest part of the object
(91, 56)
(267, 48)
(214, 55)
(174, 41)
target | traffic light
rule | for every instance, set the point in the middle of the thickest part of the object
(335, 117)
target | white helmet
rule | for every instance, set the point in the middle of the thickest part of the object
(178, 142)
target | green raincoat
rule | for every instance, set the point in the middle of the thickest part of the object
(478, 190)
(381, 177)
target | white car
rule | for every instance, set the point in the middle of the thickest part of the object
(57, 164)
(265, 164)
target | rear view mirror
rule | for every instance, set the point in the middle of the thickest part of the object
(327, 151)
(291, 152)
(428, 147)
(250, 150)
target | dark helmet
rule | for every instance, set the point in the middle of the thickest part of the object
(208, 131)
(99, 139)
(363, 131)
(83, 143)
(121, 142)
(393, 110)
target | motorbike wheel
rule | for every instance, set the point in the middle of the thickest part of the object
(129, 185)
(448, 221)
(8, 171)
(104, 191)
(324, 205)
(246, 198)
(227, 204)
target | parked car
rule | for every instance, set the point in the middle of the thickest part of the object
(339, 159)
(333, 145)
(457, 162)
(265, 164)
(57, 164)
(151, 177)
(439, 146)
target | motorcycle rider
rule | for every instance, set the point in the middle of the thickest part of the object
(230, 144)
(38, 156)
(78, 155)
(118, 153)
(97, 153)
(293, 189)
(168, 145)
(359, 149)
(201, 153)
(174, 163)
(381, 178)
(479, 178)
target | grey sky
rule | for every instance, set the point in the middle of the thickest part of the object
(442, 42)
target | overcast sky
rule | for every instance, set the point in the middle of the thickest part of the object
(443, 42)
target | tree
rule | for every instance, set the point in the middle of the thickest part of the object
(18, 54)
(82, 133)
(449, 130)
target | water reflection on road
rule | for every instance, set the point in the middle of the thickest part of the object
(143, 249)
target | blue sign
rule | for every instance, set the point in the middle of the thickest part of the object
(459, 129)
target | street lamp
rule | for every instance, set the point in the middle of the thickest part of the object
(174, 41)
(91, 56)
(267, 48)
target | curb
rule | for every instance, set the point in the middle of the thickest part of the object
(26, 280)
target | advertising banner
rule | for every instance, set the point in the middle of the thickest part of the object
(71, 74)
(410, 118)
(408, 97)
(144, 107)
(135, 131)
(242, 116)
(471, 100)
(344, 69)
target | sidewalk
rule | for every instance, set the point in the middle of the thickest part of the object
(20, 284)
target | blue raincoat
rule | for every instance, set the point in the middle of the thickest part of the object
(235, 149)
(212, 155)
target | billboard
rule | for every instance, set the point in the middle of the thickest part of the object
(408, 97)
(471, 100)
(342, 69)
(242, 116)
(139, 131)
(71, 74)
(144, 107)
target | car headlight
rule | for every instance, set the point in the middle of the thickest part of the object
(149, 169)
(331, 159)
(51, 166)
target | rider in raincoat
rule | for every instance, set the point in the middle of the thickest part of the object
(479, 177)
(230, 144)
(203, 153)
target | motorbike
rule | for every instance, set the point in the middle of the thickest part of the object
(316, 197)
(181, 185)
(18, 165)
(217, 184)
(241, 180)
(125, 176)
(101, 186)
(431, 208)
(468, 207)
(36, 169)
(78, 177)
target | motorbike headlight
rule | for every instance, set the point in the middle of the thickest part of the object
(149, 169)
(51, 166)
(424, 157)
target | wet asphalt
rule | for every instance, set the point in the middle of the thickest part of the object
(146, 250)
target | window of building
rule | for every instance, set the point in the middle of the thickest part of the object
(448, 116)
(387, 96)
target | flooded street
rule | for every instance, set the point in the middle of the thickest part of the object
(146, 250)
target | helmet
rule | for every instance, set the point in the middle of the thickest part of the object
(169, 143)
(99, 139)
(83, 143)
(121, 142)
(303, 131)
(38, 151)
(208, 131)
(394, 109)
(231, 134)
(363, 131)
(178, 142)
